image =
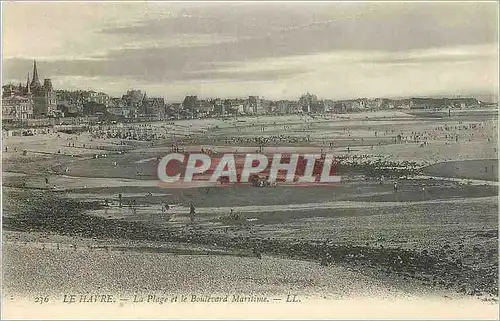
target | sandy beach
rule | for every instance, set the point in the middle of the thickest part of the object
(434, 239)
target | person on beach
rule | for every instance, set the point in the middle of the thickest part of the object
(395, 186)
(192, 212)
(233, 215)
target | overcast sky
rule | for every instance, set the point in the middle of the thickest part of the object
(275, 50)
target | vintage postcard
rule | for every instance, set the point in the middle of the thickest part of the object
(250, 160)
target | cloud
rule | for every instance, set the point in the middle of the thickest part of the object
(460, 54)
(241, 47)
(323, 27)
(152, 72)
(245, 75)
(337, 74)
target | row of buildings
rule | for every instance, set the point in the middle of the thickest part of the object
(309, 103)
(133, 104)
(36, 100)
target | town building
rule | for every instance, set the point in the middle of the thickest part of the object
(35, 100)
(44, 96)
(190, 105)
(133, 101)
(311, 104)
(99, 98)
(219, 107)
(70, 103)
(464, 102)
(254, 105)
(118, 108)
(206, 107)
(234, 106)
(174, 111)
(152, 107)
(15, 108)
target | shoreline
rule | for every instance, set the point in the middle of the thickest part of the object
(48, 245)
(66, 217)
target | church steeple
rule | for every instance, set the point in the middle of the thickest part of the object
(28, 89)
(144, 99)
(35, 82)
